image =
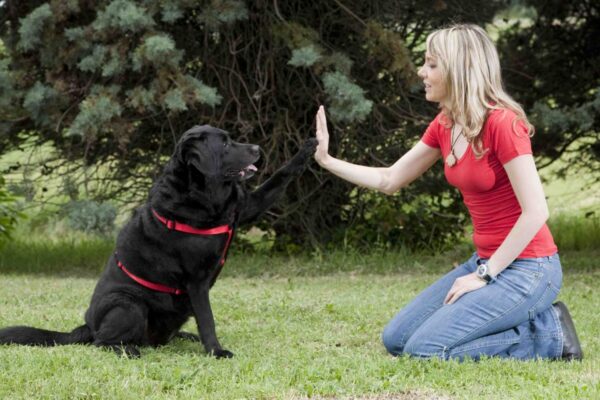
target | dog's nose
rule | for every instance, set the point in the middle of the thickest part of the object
(255, 149)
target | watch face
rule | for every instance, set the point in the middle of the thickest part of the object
(482, 270)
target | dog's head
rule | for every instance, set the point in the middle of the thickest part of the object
(212, 153)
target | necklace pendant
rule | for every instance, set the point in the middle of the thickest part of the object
(450, 160)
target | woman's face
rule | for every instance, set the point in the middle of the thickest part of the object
(431, 73)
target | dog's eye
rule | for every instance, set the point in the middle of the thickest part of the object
(225, 144)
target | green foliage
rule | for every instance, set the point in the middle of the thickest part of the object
(174, 100)
(156, 51)
(305, 56)
(171, 12)
(8, 213)
(348, 102)
(96, 112)
(123, 16)
(112, 84)
(7, 90)
(547, 53)
(32, 27)
(576, 232)
(389, 49)
(141, 98)
(91, 216)
(36, 102)
(92, 62)
(220, 12)
(201, 92)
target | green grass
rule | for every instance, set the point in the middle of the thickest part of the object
(576, 231)
(299, 328)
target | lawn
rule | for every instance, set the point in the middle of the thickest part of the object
(299, 328)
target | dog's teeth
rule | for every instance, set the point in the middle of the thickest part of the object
(251, 168)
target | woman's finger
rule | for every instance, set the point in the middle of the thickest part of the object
(322, 121)
(449, 294)
(456, 295)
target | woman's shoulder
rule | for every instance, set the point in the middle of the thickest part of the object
(440, 121)
(501, 115)
(503, 120)
(507, 134)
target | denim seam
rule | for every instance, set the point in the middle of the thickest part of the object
(539, 278)
(561, 337)
(487, 344)
(549, 286)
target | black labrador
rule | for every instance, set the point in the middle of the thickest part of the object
(170, 253)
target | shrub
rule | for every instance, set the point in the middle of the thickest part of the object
(91, 216)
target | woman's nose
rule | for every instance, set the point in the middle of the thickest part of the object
(421, 73)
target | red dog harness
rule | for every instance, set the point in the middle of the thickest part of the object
(179, 227)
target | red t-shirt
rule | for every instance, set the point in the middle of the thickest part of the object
(484, 184)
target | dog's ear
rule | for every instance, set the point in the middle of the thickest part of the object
(194, 150)
(182, 143)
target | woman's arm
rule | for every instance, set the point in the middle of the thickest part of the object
(387, 180)
(526, 183)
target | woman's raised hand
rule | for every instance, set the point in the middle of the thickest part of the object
(322, 152)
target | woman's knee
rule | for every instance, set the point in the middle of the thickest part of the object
(424, 346)
(393, 339)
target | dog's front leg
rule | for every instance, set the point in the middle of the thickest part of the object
(266, 194)
(205, 321)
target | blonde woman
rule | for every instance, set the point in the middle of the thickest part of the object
(499, 302)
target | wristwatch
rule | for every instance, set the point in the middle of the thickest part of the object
(483, 273)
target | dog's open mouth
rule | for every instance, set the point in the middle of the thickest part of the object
(244, 173)
(248, 172)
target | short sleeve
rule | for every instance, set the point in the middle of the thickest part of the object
(431, 135)
(509, 136)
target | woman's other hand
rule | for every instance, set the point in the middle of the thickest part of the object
(322, 152)
(463, 285)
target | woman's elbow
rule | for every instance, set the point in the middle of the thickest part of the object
(390, 188)
(539, 215)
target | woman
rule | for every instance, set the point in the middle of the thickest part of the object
(499, 302)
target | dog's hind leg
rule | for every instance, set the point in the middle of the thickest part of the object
(122, 329)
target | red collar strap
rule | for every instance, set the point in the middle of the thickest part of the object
(150, 285)
(178, 226)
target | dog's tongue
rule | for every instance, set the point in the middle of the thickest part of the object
(249, 168)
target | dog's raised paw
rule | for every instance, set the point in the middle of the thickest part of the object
(311, 143)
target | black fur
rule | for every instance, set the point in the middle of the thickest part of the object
(200, 186)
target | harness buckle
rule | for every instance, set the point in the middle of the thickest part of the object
(170, 224)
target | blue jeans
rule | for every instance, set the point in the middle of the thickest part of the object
(510, 317)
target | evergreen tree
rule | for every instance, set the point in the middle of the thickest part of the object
(115, 82)
(551, 56)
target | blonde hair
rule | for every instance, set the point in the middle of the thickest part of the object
(471, 69)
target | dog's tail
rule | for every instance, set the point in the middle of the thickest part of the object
(40, 337)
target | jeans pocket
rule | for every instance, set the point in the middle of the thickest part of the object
(520, 279)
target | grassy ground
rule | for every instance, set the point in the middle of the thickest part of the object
(300, 327)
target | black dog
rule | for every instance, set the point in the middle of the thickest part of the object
(171, 252)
